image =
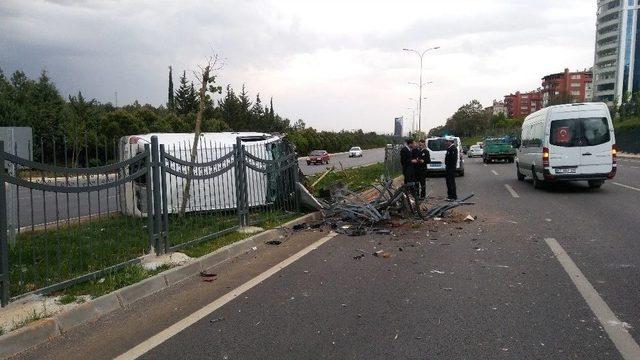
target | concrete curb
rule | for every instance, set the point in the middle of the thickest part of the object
(628, 155)
(43, 330)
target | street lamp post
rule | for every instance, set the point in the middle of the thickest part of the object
(421, 55)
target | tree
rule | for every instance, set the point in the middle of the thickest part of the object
(77, 125)
(207, 84)
(186, 100)
(299, 125)
(171, 103)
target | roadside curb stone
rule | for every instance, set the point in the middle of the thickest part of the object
(43, 330)
(29, 336)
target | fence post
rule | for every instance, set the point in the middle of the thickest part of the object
(147, 176)
(296, 180)
(165, 207)
(157, 205)
(241, 184)
(4, 247)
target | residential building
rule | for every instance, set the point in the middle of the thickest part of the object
(573, 85)
(616, 68)
(520, 104)
(499, 107)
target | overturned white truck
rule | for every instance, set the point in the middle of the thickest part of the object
(217, 192)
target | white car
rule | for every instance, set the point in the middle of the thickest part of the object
(475, 151)
(572, 142)
(438, 149)
(355, 151)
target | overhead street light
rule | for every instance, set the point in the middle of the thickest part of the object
(420, 83)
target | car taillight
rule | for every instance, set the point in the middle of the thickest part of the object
(545, 157)
(614, 158)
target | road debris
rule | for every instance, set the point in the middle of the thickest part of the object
(354, 214)
(469, 218)
(273, 242)
(208, 277)
(217, 320)
(382, 254)
(437, 272)
(358, 257)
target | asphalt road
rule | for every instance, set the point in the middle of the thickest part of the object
(343, 160)
(488, 289)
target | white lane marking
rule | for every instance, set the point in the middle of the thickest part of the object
(174, 329)
(616, 329)
(511, 191)
(625, 186)
(494, 172)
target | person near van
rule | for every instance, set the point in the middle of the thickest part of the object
(450, 162)
(408, 162)
(423, 157)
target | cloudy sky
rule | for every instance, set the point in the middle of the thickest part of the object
(335, 64)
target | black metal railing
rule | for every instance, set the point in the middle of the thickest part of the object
(64, 224)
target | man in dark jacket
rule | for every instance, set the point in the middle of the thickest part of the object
(450, 162)
(422, 155)
(408, 162)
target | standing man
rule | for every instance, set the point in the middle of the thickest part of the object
(408, 162)
(450, 162)
(423, 157)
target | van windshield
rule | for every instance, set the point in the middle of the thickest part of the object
(437, 145)
(579, 132)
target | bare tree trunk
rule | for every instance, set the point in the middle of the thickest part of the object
(196, 136)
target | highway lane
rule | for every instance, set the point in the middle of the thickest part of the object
(342, 160)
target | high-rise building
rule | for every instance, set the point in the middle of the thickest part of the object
(616, 70)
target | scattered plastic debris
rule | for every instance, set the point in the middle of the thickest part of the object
(216, 320)
(437, 272)
(469, 218)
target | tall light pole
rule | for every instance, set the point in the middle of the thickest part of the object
(421, 55)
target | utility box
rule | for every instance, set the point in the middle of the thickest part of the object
(18, 140)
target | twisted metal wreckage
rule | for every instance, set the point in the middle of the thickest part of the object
(351, 213)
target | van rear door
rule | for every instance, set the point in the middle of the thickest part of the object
(581, 144)
(596, 145)
(564, 146)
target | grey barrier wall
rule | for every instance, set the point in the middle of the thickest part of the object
(73, 224)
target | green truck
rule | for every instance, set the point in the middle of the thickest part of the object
(498, 149)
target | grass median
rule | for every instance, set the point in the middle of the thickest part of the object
(65, 251)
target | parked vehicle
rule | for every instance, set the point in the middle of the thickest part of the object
(318, 157)
(573, 142)
(475, 151)
(498, 149)
(355, 151)
(437, 150)
(213, 146)
(465, 149)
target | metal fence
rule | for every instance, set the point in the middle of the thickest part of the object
(392, 165)
(61, 225)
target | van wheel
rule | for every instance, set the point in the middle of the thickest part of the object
(537, 183)
(595, 184)
(519, 174)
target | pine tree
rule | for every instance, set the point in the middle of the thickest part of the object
(271, 114)
(171, 104)
(186, 99)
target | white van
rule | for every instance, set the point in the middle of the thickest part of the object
(215, 194)
(438, 149)
(572, 142)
